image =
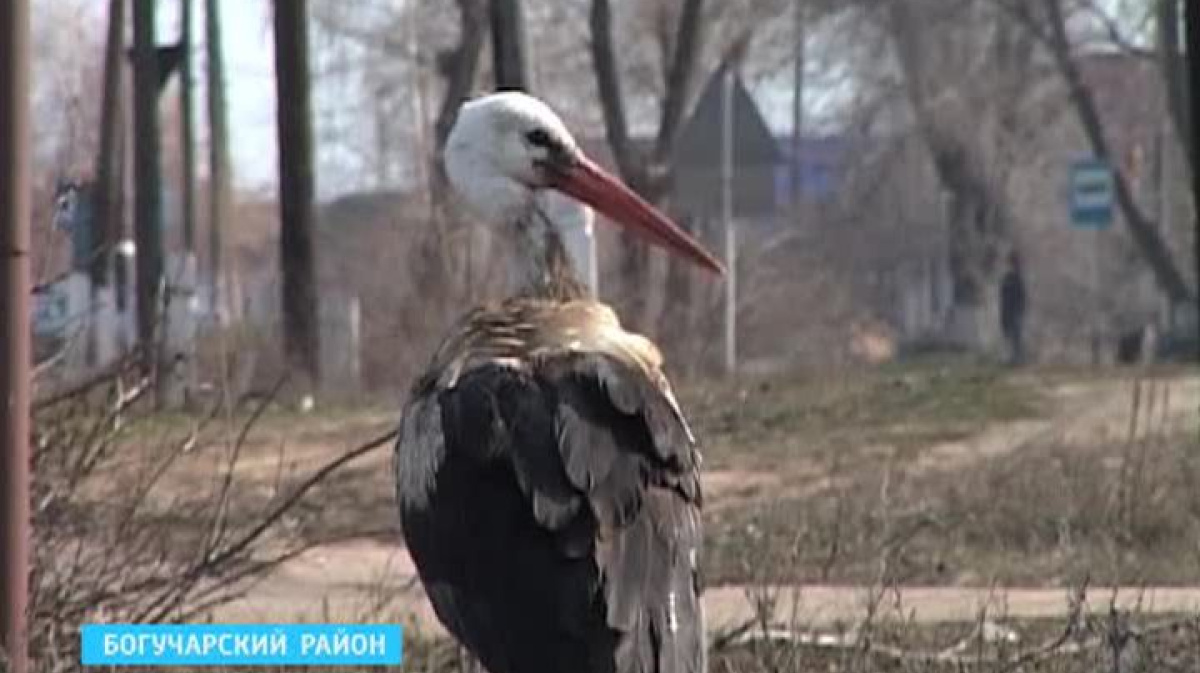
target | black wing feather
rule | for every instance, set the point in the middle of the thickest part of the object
(562, 529)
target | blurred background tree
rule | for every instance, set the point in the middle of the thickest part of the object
(935, 141)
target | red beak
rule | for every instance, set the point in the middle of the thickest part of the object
(592, 185)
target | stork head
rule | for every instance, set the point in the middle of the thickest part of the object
(507, 146)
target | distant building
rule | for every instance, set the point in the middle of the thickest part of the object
(823, 163)
(766, 166)
(698, 157)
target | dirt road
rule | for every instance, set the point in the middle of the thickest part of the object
(350, 581)
(365, 578)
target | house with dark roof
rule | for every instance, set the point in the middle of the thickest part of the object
(698, 154)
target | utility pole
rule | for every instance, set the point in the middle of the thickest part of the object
(103, 223)
(509, 55)
(294, 122)
(800, 36)
(14, 347)
(147, 196)
(187, 130)
(219, 177)
(727, 218)
(1193, 55)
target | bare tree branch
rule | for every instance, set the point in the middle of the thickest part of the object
(680, 77)
(1051, 31)
(981, 219)
(612, 101)
(286, 504)
(1170, 58)
(461, 65)
(1114, 32)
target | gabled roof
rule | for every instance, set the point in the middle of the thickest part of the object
(699, 145)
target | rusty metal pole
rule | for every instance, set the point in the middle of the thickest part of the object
(14, 346)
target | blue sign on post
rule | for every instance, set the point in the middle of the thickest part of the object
(1091, 198)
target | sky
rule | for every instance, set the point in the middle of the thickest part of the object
(251, 89)
(251, 92)
(250, 72)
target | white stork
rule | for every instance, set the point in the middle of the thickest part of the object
(547, 482)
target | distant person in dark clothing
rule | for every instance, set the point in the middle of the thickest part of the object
(1012, 309)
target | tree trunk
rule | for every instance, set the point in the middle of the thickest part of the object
(148, 199)
(678, 306)
(633, 263)
(973, 318)
(978, 224)
(103, 223)
(509, 54)
(460, 65)
(300, 320)
(1171, 60)
(648, 175)
(187, 128)
(1193, 57)
(1147, 239)
(220, 178)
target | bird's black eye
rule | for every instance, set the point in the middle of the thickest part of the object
(539, 138)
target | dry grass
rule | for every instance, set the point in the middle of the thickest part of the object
(797, 418)
(1046, 511)
(1046, 516)
(868, 477)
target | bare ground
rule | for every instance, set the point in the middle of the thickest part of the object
(369, 573)
(345, 581)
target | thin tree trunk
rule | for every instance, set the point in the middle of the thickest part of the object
(612, 99)
(187, 128)
(649, 175)
(979, 219)
(458, 67)
(148, 199)
(681, 78)
(1193, 55)
(800, 36)
(634, 260)
(219, 174)
(103, 237)
(1168, 276)
(678, 314)
(1171, 59)
(300, 323)
(461, 65)
(120, 199)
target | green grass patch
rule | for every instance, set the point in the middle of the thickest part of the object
(906, 406)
